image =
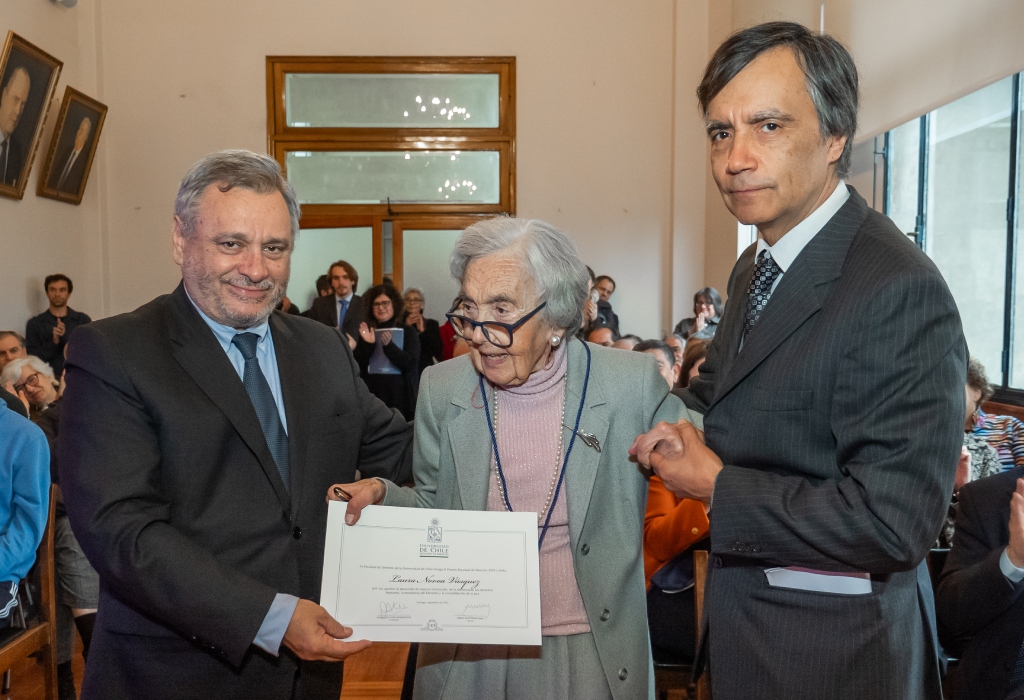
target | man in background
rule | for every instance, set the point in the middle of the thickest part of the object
(199, 435)
(662, 353)
(12, 347)
(344, 308)
(48, 333)
(13, 96)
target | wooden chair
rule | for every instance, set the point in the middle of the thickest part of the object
(40, 637)
(700, 576)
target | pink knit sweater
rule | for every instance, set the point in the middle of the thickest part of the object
(529, 423)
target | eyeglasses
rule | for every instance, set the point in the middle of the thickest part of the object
(381, 304)
(33, 381)
(496, 333)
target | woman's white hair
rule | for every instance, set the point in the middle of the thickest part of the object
(549, 258)
(12, 370)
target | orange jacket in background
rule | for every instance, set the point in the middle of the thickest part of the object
(671, 526)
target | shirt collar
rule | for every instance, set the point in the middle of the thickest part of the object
(226, 333)
(348, 298)
(786, 249)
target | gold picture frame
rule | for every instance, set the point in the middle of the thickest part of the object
(72, 147)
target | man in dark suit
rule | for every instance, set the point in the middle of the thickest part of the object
(979, 602)
(13, 96)
(832, 393)
(69, 165)
(343, 303)
(199, 436)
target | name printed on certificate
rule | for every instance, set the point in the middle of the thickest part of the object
(424, 575)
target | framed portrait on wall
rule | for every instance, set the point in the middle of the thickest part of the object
(28, 78)
(69, 157)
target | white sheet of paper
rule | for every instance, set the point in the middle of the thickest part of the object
(819, 581)
(423, 575)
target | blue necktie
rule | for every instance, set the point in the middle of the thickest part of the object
(766, 271)
(263, 401)
(342, 311)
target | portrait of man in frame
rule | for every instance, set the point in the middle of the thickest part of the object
(72, 147)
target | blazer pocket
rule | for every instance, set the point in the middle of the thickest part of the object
(783, 400)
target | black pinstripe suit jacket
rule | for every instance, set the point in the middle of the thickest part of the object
(840, 422)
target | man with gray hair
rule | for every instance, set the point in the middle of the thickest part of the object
(832, 396)
(12, 347)
(199, 435)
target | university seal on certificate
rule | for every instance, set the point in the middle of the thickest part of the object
(423, 575)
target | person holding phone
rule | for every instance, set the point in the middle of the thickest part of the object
(389, 364)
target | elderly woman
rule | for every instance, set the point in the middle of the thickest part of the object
(536, 420)
(31, 380)
(431, 346)
(707, 312)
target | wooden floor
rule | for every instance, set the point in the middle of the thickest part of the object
(375, 674)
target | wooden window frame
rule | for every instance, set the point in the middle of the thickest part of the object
(282, 138)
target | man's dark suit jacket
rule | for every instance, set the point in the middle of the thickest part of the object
(39, 337)
(981, 613)
(325, 310)
(74, 179)
(840, 423)
(175, 498)
(15, 160)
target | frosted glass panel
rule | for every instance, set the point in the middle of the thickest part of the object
(317, 248)
(425, 257)
(371, 177)
(358, 100)
(904, 164)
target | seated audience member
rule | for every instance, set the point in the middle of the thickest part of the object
(391, 372)
(590, 320)
(286, 306)
(323, 288)
(77, 585)
(12, 347)
(431, 347)
(980, 597)
(662, 354)
(693, 357)
(343, 309)
(1004, 433)
(31, 380)
(707, 312)
(605, 287)
(672, 525)
(24, 500)
(627, 342)
(678, 345)
(14, 403)
(48, 333)
(601, 335)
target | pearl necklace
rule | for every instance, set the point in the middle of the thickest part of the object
(558, 464)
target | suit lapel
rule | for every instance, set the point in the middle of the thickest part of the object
(799, 295)
(197, 351)
(471, 444)
(293, 370)
(584, 461)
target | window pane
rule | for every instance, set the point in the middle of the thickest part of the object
(904, 159)
(425, 256)
(371, 177)
(968, 173)
(411, 100)
(316, 248)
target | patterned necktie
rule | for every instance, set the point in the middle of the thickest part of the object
(1017, 678)
(263, 401)
(342, 311)
(766, 271)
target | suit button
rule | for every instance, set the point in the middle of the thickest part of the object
(756, 548)
(605, 615)
(694, 531)
(622, 674)
(718, 562)
(297, 533)
(585, 549)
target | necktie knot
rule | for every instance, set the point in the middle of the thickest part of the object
(246, 344)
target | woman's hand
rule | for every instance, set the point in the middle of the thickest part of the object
(351, 342)
(415, 319)
(963, 470)
(368, 492)
(699, 322)
(385, 338)
(20, 394)
(366, 333)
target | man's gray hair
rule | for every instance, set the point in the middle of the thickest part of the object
(229, 169)
(13, 334)
(830, 71)
(548, 256)
(12, 370)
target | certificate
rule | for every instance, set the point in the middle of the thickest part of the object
(422, 575)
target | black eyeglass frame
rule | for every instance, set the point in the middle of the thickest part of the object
(509, 327)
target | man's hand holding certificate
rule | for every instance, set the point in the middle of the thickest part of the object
(422, 575)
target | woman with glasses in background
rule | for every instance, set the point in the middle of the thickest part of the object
(31, 380)
(388, 361)
(535, 420)
(429, 330)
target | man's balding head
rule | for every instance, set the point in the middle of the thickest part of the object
(13, 97)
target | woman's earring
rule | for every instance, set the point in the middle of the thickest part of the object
(555, 340)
